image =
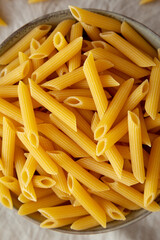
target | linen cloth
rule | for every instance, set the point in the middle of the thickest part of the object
(17, 13)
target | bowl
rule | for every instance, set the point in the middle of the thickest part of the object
(54, 19)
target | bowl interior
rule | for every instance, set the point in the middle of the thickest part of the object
(54, 19)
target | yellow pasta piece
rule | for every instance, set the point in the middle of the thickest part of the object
(40, 193)
(113, 109)
(39, 154)
(116, 160)
(46, 143)
(111, 210)
(57, 60)
(11, 183)
(35, 1)
(8, 147)
(92, 31)
(22, 45)
(152, 99)
(145, 137)
(89, 18)
(52, 223)
(86, 45)
(62, 70)
(77, 171)
(120, 63)
(133, 53)
(15, 75)
(5, 196)
(107, 170)
(2, 22)
(9, 91)
(81, 102)
(47, 46)
(134, 196)
(44, 202)
(28, 191)
(61, 95)
(79, 137)
(86, 200)
(95, 121)
(52, 105)
(59, 41)
(28, 114)
(151, 124)
(86, 114)
(61, 180)
(76, 31)
(42, 181)
(134, 98)
(136, 39)
(135, 142)
(115, 198)
(61, 139)
(34, 45)
(145, 1)
(23, 58)
(28, 170)
(63, 212)
(75, 76)
(61, 194)
(106, 81)
(151, 183)
(95, 85)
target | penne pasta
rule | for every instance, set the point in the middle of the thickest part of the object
(89, 18)
(75, 76)
(86, 200)
(134, 98)
(44, 202)
(80, 102)
(79, 137)
(152, 98)
(77, 171)
(22, 45)
(34, 45)
(5, 196)
(134, 196)
(120, 63)
(39, 154)
(43, 181)
(28, 170)
(135, 143)
(151, 183)
(107, 170)
(9, 91)
(95, 86)
(113, 109)
(58, 137)
(76, 31)
(53, 223)
(47, 46)
(92, 31)
(86, 114)
(133, 53)
(11, 183)
(8, 147)
(57, 60)
(52, 105)
(28, 116)
(151, 124)
(136, 39)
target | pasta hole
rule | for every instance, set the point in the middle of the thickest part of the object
(33, 138)
(134, 118)
(145, 88)
(35, 45)
(44, 27)
(46, 182)
(73, 101)
(34, 76)
(100, 132)
(100, 147)
(98, 44)
(75, 13)
(70, 182)
(6, 202)
(150, 199)
(57, 39)
(37, 56)
(48, 224)
(115, 215)
(3, 72)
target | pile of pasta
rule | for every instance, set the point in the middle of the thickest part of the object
(79, 122)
